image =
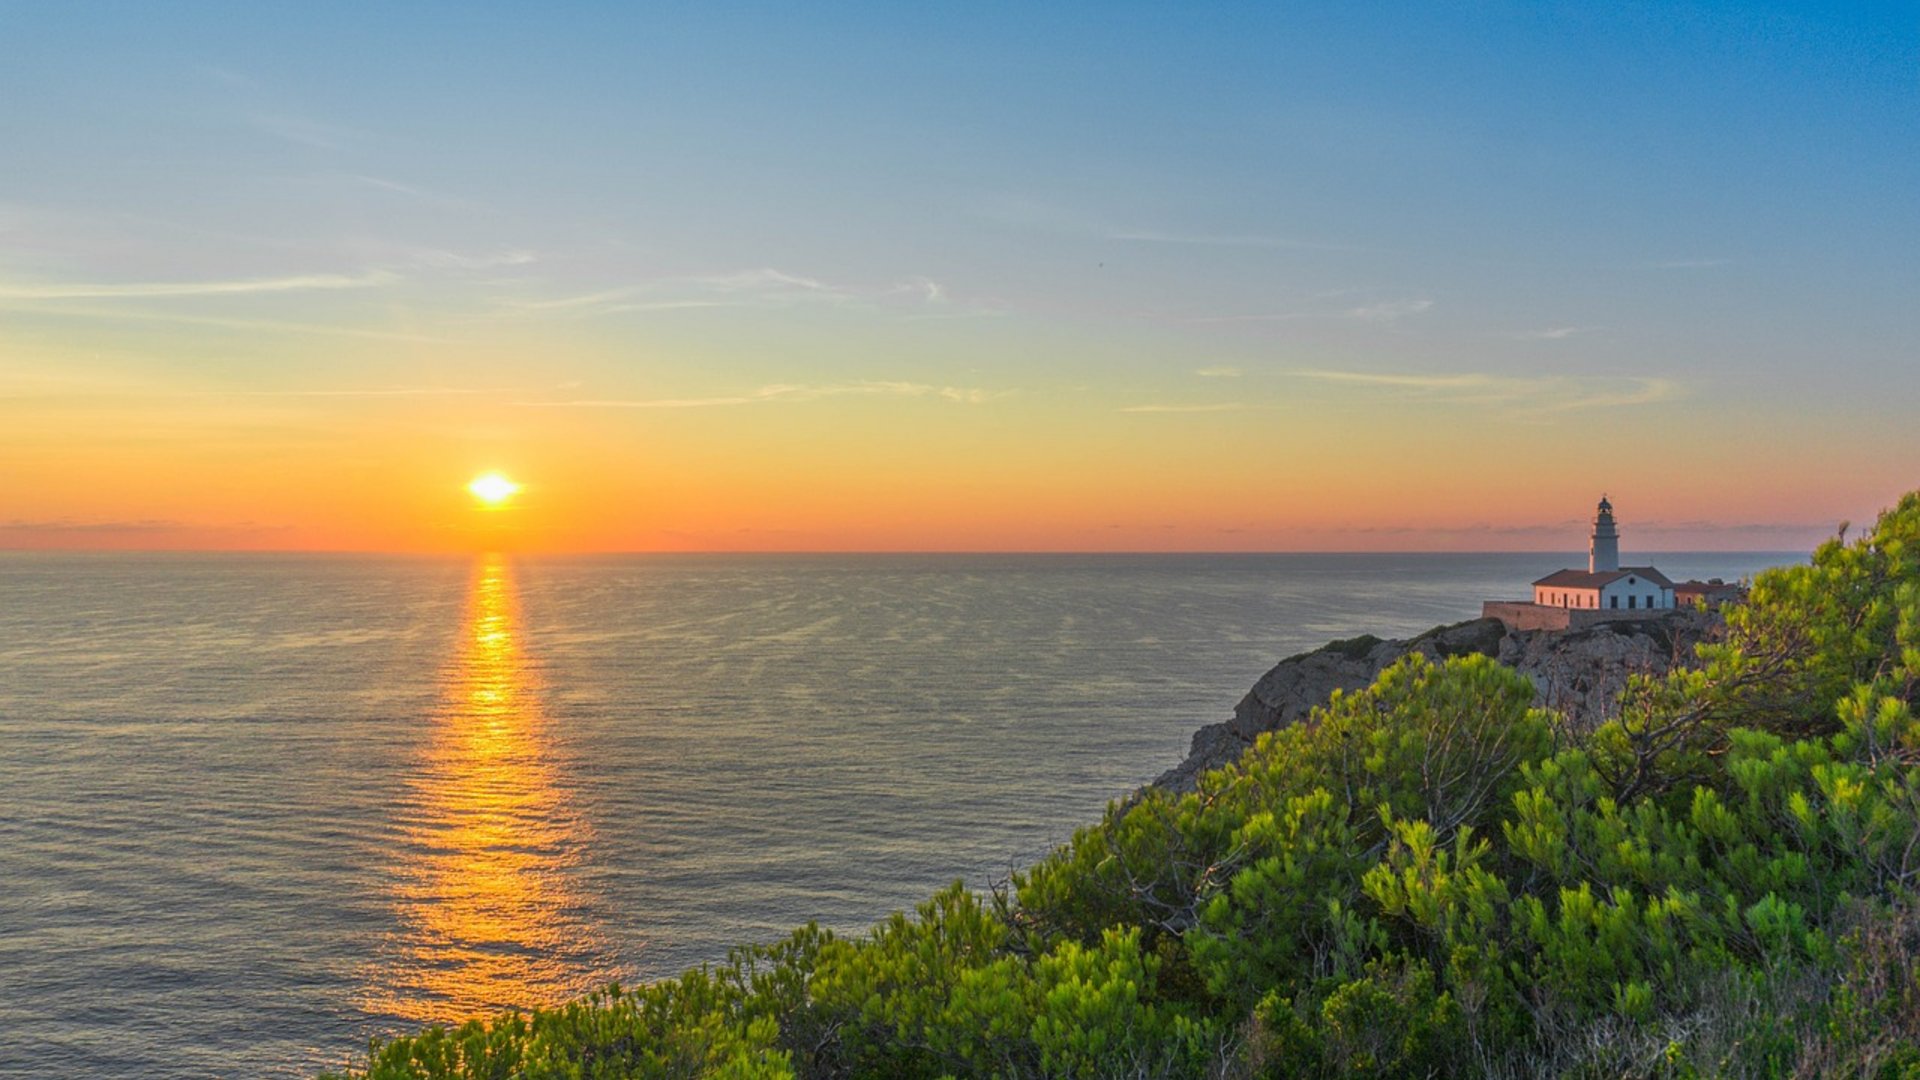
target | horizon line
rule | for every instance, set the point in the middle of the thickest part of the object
(842, 552)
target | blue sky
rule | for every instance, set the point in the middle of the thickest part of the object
(1579, 218)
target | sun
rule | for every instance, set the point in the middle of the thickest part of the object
(493, 489)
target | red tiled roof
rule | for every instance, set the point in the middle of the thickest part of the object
(1581, 579)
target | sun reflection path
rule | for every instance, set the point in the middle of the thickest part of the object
(489, 916)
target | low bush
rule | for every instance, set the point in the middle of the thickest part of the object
(1428, 878)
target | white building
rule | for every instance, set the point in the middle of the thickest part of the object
(1605, 584)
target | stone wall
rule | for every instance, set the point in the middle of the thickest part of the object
(1521, 615)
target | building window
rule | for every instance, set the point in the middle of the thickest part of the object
(1616, 601)
(1632, 600)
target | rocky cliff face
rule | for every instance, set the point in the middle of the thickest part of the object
(1579, 673)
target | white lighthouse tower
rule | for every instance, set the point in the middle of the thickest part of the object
(1603, 552)
(1605, 590)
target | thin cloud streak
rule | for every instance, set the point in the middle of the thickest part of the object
(1235, 240)
(453, 260)
(63, 525)
(381, 183)
(1649, 391)
(1383, 311)
(1556, 333)
(273, 325)
(1387, 311)
(367, 392)
(302, 131)
(161, 289)
(1565, 527)
(143, 525)
(1224, 406)
(765, 287)
(1050, 217)
(1419, 382)
(762, 278)
(1525, 397)
(782, 392)
(1664, 527)
(1219, 371)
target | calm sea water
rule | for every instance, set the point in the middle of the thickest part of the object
(256, 809)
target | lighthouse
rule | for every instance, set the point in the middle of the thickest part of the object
(1604, 590)
(1603, 551)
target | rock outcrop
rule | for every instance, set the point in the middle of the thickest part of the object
(1578, 673)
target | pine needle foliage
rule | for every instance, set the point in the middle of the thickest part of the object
(1429, 878)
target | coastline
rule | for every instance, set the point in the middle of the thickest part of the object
(1578, 673)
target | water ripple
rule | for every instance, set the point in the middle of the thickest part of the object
(254, 809)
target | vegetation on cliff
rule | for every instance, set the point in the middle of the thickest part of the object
(1430, 878)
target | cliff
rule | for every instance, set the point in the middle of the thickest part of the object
(1578, 673)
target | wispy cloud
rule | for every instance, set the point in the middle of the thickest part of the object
(765, 287)
(1219, 371)
(1383, 311)
(1562, 528)
(1387, 311)
(117, 313)
(598, 300)
(1222, 406)
(1566, 527)
(785, 392)
(1526, 397)
(757, 280)
(925, 288)
(61, 526)
(1554, 535)
(1660, 527)
(1641, 391)
(483, 260)
(301, 130)
(381, 183)
(1238, 240)
(971, 395)
(248, 100)
(65, 525)
(143, 290)
(1554, 333)
(365, 392)
(333, 183)
(1416, 382)
(1075, 220)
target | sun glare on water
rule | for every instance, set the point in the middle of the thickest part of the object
(493, 489)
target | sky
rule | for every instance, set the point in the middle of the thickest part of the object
(861, 277)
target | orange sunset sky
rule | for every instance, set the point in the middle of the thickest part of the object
(904, 281)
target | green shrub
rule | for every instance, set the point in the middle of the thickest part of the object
(1417, 881)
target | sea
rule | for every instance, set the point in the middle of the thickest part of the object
(256, 810)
